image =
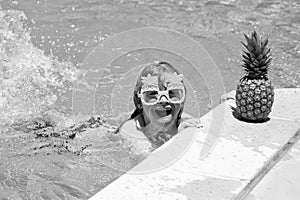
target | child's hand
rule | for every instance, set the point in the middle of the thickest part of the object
(190, 122)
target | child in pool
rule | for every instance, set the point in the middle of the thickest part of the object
(159, 97)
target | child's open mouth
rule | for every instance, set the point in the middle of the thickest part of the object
(164, 111)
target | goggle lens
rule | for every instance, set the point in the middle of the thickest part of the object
(176, 94)
(150, 96)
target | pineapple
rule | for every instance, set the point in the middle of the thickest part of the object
(255, 92)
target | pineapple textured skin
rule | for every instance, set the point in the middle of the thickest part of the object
(255, 92)
(254, 99)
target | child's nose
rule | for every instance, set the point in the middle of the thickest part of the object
(163, 99)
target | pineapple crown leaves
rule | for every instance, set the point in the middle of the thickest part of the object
(256, 58)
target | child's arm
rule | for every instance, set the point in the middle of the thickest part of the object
(188, 121)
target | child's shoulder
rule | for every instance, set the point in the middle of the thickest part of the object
(131, 129)
(134, 138)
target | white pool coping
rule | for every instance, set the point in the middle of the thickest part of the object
(282, 182)
(218, 161)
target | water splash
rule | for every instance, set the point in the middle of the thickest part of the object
(31, 83)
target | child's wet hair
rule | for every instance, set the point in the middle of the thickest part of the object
(156, 69)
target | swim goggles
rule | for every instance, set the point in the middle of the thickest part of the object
(152, 96)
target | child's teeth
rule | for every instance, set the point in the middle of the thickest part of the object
(168, 106)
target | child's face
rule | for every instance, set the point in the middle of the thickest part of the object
(161, 105)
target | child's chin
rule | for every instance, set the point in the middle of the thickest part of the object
(165, 119)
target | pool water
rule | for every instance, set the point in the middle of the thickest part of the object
(43, 44)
